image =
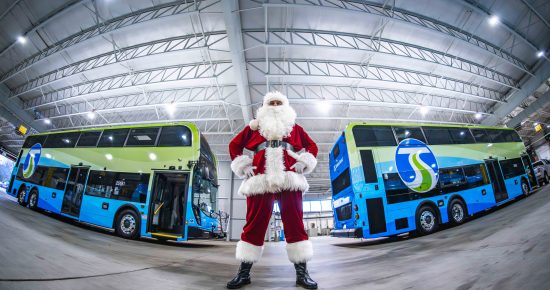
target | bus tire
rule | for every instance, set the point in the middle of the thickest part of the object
(21, 195)
(546, 180)
(33, 199)
(457, 212)
(427, 221)
(525, 187)
(128, 224)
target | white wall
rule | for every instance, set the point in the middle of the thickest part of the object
(238, 212)
(543, 151)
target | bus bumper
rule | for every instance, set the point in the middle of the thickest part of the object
(347, 233)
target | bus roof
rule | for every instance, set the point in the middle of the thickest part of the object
(351, 124)
(191, 126)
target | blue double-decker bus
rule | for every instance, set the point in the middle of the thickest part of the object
(155, 180)
(389, 179)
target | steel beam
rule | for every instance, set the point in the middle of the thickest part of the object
(115, 24)
(135, 79)
(359, 71)
(12, 111)
(233, 25)
(181, 43)
(514, 99)
(304, 38)
(404, 16)
(540, 103)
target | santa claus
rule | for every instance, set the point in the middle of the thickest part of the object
(283, 153)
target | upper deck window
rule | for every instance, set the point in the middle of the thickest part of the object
(88, 139)
(501, 135)
(142, 137)
(481, 136)
(403, 133)
(461, 136)
(62, 140)
(113, 138)
(31, 140)
(438, 135)
(369, 136)
(175, 136)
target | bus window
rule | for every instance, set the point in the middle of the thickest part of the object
(113, 138)
(175, 136)
(205, 181)
(512, 167)
(396, 190)
(336, 151)
(118, 185)
(55, 177)
(142, 137)
(368, 136)
(452, 179)
(409, 132)
(341, 182)
(476, 175)
(31, 140)
(63, 140)
(461, 136)
(438, 135)
(481, 136)
(510, 136)
(88, 139)
(369, 171)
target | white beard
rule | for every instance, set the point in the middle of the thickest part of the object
(276, 122)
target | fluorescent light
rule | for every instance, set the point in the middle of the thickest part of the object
(109, 156)
(170, 109)
(324, 106)
(22, 39)
(540, 53)
(424, 110)
(153, 156)
(535, 124)
(91, 115)
(493, 20)
(478, 116)
(47, 121)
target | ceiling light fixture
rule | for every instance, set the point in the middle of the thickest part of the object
(47, 121)
(170, 109)
(324, 106)
(424, 110)
(493, 20)
(91, 115)
(540, 53)
(22, 39)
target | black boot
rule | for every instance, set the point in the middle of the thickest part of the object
(302, 277)
(242, 278)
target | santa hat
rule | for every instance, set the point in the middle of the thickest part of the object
(271, 96)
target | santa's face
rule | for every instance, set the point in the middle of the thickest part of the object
(276, 120)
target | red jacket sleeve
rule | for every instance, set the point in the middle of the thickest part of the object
(237, 145)
(308, 143)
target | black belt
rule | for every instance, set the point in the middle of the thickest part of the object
(274, 144)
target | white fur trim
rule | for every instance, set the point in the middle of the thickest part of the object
(275, 95)
(247, 252)
(258, 184)
(299, 252)
(239, 164)
(254, 125)
(309, 160)
(274, 167)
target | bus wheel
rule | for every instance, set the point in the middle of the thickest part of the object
(546, 180)
(426, 220)
(21, 196)
(33, 199)
(127, 224)
(457, 212)
(525, 187)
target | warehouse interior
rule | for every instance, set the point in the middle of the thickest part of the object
(82, 64)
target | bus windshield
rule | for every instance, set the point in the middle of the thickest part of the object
(205, 180)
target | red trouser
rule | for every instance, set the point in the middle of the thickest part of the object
(258, 214)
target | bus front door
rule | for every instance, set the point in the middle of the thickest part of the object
(72, 199)
(497, 179)
(168, 203)
(529, 170)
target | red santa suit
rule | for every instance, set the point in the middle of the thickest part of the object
(278, 174)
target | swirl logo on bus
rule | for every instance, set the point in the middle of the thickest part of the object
(31, 162)
(416, 165)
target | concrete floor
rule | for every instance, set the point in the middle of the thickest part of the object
(506, 249)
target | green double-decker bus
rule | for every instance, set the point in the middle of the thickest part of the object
(390, 178)
(154, 180)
